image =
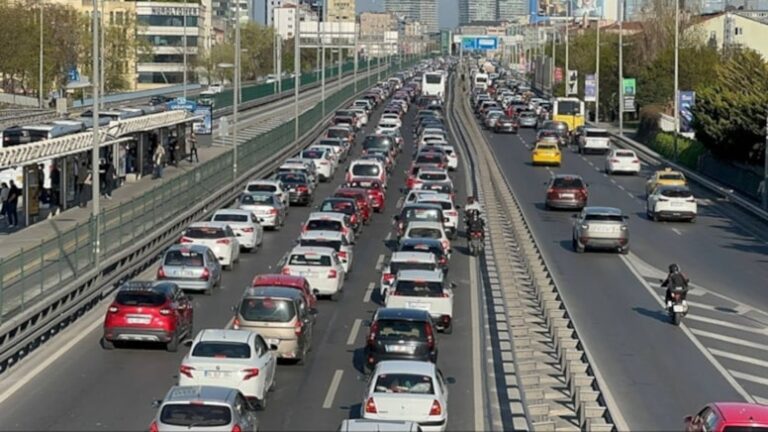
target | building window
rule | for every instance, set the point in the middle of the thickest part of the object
(161, 77)
(167, 58)
(738, 31)
(174, 41)
(167, 21)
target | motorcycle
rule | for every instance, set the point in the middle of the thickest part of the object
(677, 307)
(476, 242)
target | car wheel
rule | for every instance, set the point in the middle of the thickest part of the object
(624, 250)
(107, 344)
(173, 345)
(655, 216)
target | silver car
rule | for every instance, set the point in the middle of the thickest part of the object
(601, 228)
(191, 267)
(528, 119)
(267, 207)
(214, 409)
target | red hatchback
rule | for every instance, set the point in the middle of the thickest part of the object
(287, 281)
(363, 201)
(148, 311)
(729, 417)
(375, 192)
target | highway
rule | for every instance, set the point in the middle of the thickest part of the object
(656, 373)
(75, 385)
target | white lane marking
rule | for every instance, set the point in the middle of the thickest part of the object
(388, 237)
(477, 379)
(739, 357)
(621, 187)
(355, 330)
(631, 195)
(597, 169)
(727, 375)
(368, 292)
(748, 377)
(677, 231)
(727, 324)
(590, 163)
(379, 262)
(335, 381)
(400, 202)
(728, 339)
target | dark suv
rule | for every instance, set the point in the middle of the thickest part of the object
(400, 334)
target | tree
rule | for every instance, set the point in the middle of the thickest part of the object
(729, 114)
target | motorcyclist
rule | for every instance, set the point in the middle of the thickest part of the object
(475, 224)
(675, 281)
(473, 204)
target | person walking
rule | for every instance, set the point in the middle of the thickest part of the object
(193, 147)
(4, 190)
(13, 200)
(85, 191)
(157, 160)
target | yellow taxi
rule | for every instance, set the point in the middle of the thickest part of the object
(546, 152)
(665, 177)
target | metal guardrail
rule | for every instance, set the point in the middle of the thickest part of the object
(65, 283)
(654, 157)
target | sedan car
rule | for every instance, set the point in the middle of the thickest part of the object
(148, 311)
(400, 334)
(528, 119)
(427, 230)
(191, 267)
(348, 206)
(218, 236)
(271, 186)
(218, 408)
(506, 124)
(407, 390)
(330, 239)
(330, 221)
(566, 191)
(400, 261)
(622, 161)
(300, 188)
(266, 206)
(375, 189)
(671, 203)
(424, 290)
(546, 152)
(244, 224)
(320, 266)
(665, 177)
(601, 228)
(324, 164)
(239, 359)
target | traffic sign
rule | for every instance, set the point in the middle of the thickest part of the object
(572, 85)
(480, 43)
(590, 88)
(181, 103)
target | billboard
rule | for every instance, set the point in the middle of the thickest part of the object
(480, 43)
(630, 89)
(685, 102)
(205, 125)
(545, 9)
(590, 88)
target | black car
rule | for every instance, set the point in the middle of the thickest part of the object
(400, 334)
(379, 142)
(426, 245)
(298, 185)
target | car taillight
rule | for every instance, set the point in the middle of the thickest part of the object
(153, 426)
(370, 406)
(332, 274)
(236, 428)
(436, 409)
(160, 273)
(286, 271)
(302, 189)
(186, 370)
(430, 336)
(298, 328)
(388, 277)
(165, 311)
(223, 241)
(185, 240)
(247, 230)
(250, 373)
(236, 323)
(342, 254)
(373, 333)
(452, 213)
(550, 191)
(637, 161)
(206, 274)
(583, 192)
(272, 211)
(113, 309)
(345, 230)
(615, 160)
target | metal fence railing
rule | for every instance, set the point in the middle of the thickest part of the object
(33, 273)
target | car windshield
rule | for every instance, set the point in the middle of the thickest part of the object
(267, 309)
(140, 298)
(312, 260)
(419, 288)
(603, 218)
(197, 415)
(598, 134)
(338, 206)
(404, 383)
(676, 193)
(333, 244)
(215, 349)
(230, 217)
(255, 199)
(546, 146)
(429, 158)
(395, 267)
(185, 258)
(425, 233)
(324, 225)
(367, 170)
(567, 183)
(444, 204)
(261, 188)
(337, 133)
(205, 233)
(401, 329)
(334, 143)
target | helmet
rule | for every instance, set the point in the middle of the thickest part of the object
(674, 268)
(470, 199)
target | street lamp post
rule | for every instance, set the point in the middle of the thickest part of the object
(567, 44)
(765, 167)
(621, 67)
(355, 66)
(95, 185)
(236, 91)
(184, 45)
(677, 52)
(102, 73)
(297, 79)
(279, 64)
(322, 57)
(40, 83)
(597, 73)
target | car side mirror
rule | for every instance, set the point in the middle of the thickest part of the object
(273, 347)
(157, 402)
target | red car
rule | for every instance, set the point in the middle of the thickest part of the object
(363, 201)
(287, 281)
(148, 311)
(375, 192)
(729, 417)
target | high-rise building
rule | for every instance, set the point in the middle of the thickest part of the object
(226, 9)
(341, 10)
(424, 11)
(477, 10)
(512, 10)
(376, 23)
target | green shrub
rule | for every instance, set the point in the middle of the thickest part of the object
(689, 150)
(649, 121)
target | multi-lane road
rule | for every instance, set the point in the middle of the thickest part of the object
(75, 385)
(655, 372)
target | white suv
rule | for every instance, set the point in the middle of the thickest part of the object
(320, 266)
(671, 202)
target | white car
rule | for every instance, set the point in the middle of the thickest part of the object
(391, 118)
(300, 166)
(400, 261)
(450, 210)
(266, 206)
(622, 161)
(333, 152)
(219, 238)
(407, 390)
(430, 137)
(425, 290)
(453, 158)
(387, 127)
(594, 140)
(430, 176)
(414, 195)
(361, 113)
(331, 239)
(430, 230)
(324, 165)
(239, 359)
(216, 88)
(671, 203)
(275, 187)
(364, 104)
(366, 169)
(320, 266)
(330, 221)
(245, 224)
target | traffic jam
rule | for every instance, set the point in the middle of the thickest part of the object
(225, 379)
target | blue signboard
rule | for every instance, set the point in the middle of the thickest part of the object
(480, 43)
(205, 125)
(590, 88)
(685, 101)
(182, 104)
(73, 75)
(469, 43)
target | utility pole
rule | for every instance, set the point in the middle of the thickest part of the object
(297, 77)
(621, 67)
(102, 53)
(95, 185)
(765, 167)
(677, 52)
(236, 92)
(597, 73)
(338, 77)
(355, 66)
(322, 57)
(567, 44)
(554, 57)
(279, 64)
(40, 82)
(184, 44)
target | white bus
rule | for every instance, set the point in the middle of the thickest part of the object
(433, 84)
(480, 81)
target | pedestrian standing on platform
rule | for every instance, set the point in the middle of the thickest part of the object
(193, 147)
(157, 160)
(55, 188)
(13, 200)
(82, 173)
(103, 175)
(4, 190)
(85, 192)
(109, 181)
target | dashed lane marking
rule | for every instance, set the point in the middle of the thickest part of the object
(333, 388)
(379, 262)
(368, 293)
(355, 330)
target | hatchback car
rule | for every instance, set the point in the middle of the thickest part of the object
(665, 177)
(400, 261)
(622, 161)
(300, 187)
(331, 239)
(320, 266)
(450, 210)
(400, 334)
(361, 197)
(266, 206)
(528, 119)
(219, 238)
(145, 311)
(601, 228)
(418, 211)
(239, 359)
(424, 290)
(729, 417)
(191, 267)
(348, 206)
(324, 163)
(566, 191)
(546, 152)
(269, 186)
(375, 189)
(671, 203)
(281, 316)
(244, 224)
(364, 169)
(220, 409)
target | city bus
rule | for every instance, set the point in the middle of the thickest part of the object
(569, 110)
(433, 84)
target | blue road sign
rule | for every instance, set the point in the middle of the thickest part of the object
(73, 75)
(182, 104)
(487, 43)
(469, 43)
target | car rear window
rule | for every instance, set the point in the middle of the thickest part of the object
(444, 204)
(604, 218)
(198, 415)
(404, 383)
(745, 429)
(229, 217)
(429, 159)
(255, 199)
(338, 206)
(312, 260)
(333, 244)
(424, 233)
(324, 225)
(292, 178)
(330, 142)
(671, 176)
(140, 298)
(597, 134)
(395, 267)
(262, 188)
(312, 154)
(433, 176)
(419, 288)
(426, 215)
(267, 309)
(205, 233)
(186, 258)
(546, 146)
(677, 193)
(626, 154)
(337, 133)
(235, 350)
(367, 170)
(401, 329)
(567, 183)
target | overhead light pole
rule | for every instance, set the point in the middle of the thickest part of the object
(95, 186)
(236, 91)
(621, 66)
(184, 45)
(597, 72)
(40, 83)
(677, 90)
(297, 78)
(102, 69)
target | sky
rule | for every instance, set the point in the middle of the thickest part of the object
(448, 10)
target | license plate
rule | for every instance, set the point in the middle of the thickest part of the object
(678, 308)
(400, 349)
(135, 320)
(418, 305)
(188, 273)
(567, 195)
(601, 228)
(676, 204)
(215, 374)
